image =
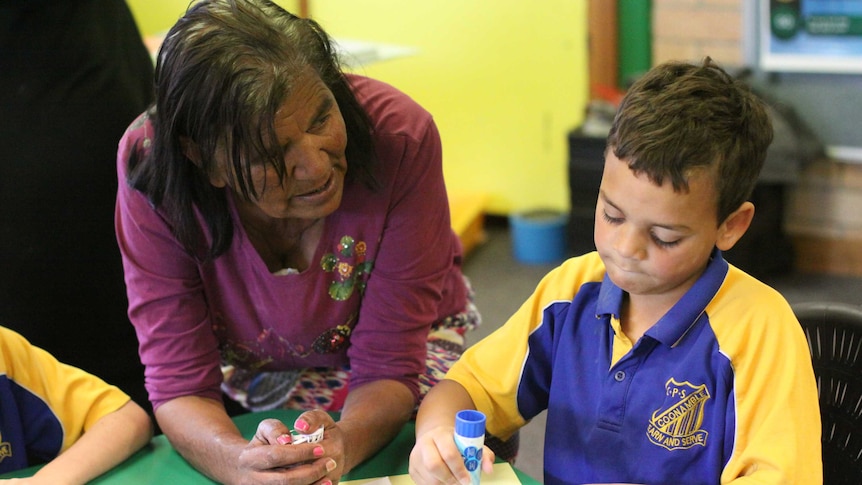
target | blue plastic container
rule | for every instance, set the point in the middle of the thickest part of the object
(539, 236)
(470, 438)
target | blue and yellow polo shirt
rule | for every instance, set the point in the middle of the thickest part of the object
(45, 406)
(721, 387)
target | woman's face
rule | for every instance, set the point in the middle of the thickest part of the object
(310, 129)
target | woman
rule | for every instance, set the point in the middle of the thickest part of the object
(286, 237)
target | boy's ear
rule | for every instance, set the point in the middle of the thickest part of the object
(734, 226)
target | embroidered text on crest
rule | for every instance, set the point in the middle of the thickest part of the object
(678, 426)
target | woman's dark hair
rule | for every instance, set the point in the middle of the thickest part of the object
(222, 72)
(680, 116)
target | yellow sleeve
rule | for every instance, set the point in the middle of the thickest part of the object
(77, 398)
(491, 369)
(778, 413)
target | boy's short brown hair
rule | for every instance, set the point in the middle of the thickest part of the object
(681, 116)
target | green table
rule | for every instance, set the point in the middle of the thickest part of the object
(158, 463)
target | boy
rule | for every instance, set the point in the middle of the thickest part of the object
(60, 415)
(657, 362)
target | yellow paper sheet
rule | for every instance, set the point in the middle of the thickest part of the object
(503, 475)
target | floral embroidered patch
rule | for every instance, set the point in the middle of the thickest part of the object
(349, 267)
(270, 346)
(332, 340)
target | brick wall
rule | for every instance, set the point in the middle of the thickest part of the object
(824, 218)
(692, 29)
(823, 212)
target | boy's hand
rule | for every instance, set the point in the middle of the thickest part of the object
(435, 459)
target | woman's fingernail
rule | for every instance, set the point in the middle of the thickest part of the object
(327, 482)
(330, 465)
(300, 425)
(318, 451)
(283, 439)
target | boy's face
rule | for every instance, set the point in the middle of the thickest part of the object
(654, 242)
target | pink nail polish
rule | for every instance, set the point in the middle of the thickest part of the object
(283, 439)
(300, 425)
(318, 451)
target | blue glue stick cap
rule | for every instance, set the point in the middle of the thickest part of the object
(470, 423)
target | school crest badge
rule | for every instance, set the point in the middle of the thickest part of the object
(677, 426)
(5, 449)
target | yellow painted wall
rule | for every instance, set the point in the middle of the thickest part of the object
(505, 80)
(157, 16)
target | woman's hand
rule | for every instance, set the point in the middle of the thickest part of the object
(271, 454)
(201, 431)
(435, 458)
(332, 446)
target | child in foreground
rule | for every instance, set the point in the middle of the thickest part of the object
(60, 415)
(656, 360)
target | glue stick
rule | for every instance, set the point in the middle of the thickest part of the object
(470, 438)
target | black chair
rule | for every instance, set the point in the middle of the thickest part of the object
(834, 332)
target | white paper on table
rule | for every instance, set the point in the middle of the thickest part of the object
(503, 475)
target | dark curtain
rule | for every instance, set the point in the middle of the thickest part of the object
(73, 75)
